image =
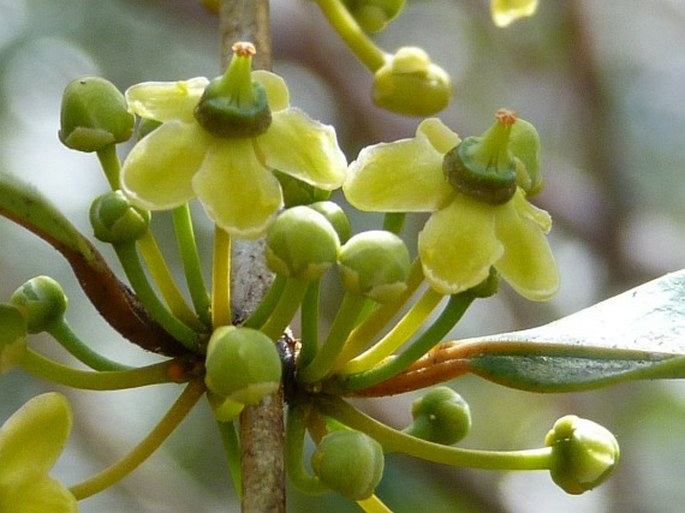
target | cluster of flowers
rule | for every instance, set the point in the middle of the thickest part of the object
(261, 168)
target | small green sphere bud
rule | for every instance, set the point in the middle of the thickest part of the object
(301, 244)
(524, 144)
(409, 83)
(12, 336)
(42, 302)
(584, 454)
(484, 167)
(296, 192)
(375, 264)
(94, 115)
(115, 220)
(242, 365)
(233, 105)
(349, 462)
(441, 416)
(374, 15)
(336, 216)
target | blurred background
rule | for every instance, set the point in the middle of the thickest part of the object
(602, 81)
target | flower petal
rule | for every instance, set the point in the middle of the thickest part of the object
(164, 101)
(438, 134)
(32, 439)
(402, 176)
(157, 172)
(277, 93)
(38, 495)
(304, 149)
(237, 192)
(531, 212)
(505, 12)
(457, 245)
(527, 263)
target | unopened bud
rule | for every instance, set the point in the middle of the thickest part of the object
(584, 454)
(349, 462)
(94, 115)
(42, 302)
(409, 83)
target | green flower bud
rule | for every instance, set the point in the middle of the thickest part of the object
(224, 409)
(94, 115)
(349, 462)
(374, 264)
(115, 220)
(12, 336)
(484, 167)
(374, 15)
(41, 301)
(409, 83)
(584, 454)
(301, 244)
(242, 365)
(336, 216)
(233, 105)
(441, 416)
(296, 192)
(524, 144)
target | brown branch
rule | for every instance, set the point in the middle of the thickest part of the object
(261, 425)
(114, 300)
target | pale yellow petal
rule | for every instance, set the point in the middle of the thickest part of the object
(164, 101)
(441, 137)
(237, 192)
(39, 494)
(304, 149)
(505, 12)
(457, 246)
(531, 212)
(32, 439)
(527, 263)
(158, 171)
(277, 94)
(401, 176)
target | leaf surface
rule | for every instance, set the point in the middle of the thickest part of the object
(639, 334)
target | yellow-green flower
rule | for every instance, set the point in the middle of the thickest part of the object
(505, 12)
(31, 440)
(464, 235)
(232, 176)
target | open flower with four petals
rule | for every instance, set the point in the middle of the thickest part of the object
(231, 176)
(31, 440)
(464, 235)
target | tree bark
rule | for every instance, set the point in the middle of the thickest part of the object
(261, 426)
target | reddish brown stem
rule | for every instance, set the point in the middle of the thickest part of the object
(114, 300)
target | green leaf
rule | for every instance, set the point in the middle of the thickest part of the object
(639, 334)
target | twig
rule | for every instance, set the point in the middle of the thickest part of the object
(261, 426)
